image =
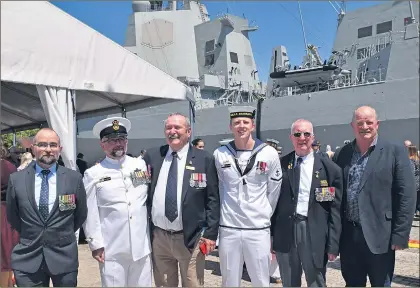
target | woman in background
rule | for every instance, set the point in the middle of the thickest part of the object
(412, 154)
(25, 159)
(9, 237)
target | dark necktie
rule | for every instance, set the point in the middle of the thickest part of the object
(297, 173)
(171, 206)
(44, 196)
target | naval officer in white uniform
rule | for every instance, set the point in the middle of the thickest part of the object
(250, 178)
(117, 225)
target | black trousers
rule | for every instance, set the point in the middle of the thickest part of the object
(358, 262)
(42, 277)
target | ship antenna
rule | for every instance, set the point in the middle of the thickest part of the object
(303, 29)
(413, 20)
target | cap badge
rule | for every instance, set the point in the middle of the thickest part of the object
(115, 125)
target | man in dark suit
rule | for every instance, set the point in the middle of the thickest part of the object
(306, 225)
(378, 202)
(81, 164)
(46, 204)
(316, 146)
(184, 206)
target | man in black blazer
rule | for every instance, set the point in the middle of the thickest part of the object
(378, 202)
(306, 225)
(184, 206)
(46, 204)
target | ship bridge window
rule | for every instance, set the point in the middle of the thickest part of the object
(209, 60)
(234, 57)
(384, 27)
(364, 32)
(408, 20)
(209, 46)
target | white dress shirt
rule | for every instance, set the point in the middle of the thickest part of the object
(305, 182)
(158, 207)
(52, 185)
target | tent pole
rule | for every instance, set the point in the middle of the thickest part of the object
(75, 131)
(14, 137)
(123, 112)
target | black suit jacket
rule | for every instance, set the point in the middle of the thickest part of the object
(324, 222)
(387, 195)
(200, 206)
(53, 239)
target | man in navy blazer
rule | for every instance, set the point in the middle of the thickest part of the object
(378, 202)
(46, 204)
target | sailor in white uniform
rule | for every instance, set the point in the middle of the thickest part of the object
(116, 227)
(250, 178)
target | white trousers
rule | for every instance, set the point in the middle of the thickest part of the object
(127, 273)
(251, 246)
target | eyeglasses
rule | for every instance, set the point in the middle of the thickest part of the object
(306, 134)
(114, 141)
(44, 145)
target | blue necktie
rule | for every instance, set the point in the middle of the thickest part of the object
(43, 199)
(171, 206)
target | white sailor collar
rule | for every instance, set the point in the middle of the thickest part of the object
(115, 161)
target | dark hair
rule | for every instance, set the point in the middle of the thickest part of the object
(196, 141)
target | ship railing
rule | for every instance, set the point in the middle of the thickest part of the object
(361, 78)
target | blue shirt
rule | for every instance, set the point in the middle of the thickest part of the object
(356, 171)
(52, 185)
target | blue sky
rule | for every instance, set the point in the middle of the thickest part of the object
(278, 23)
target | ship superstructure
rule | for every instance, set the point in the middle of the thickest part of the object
(374, 61)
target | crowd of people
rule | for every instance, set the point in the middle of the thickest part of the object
(158, 215)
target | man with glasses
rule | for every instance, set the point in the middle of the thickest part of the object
(249, 181)
(117, 223)
(46, 204)
(306, 225)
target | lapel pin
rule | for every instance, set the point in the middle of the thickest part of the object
(317, 174)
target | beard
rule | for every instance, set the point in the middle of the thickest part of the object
(48, 159)
(118, 152)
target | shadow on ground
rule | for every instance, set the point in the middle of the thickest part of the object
(215, 267)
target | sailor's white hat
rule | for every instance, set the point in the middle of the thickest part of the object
(242, 111)
(112, 126)
(272, 141)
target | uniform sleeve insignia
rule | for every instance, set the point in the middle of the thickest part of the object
(115, 125)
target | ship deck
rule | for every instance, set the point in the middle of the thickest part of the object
(406, 268)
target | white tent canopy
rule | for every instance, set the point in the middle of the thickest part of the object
(49, 59)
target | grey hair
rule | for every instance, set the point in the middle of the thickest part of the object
(187, 120)
(304, 121)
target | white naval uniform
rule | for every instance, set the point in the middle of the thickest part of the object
(117, 220)
(247, 204)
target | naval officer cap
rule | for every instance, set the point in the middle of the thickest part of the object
(242, 111)
(112, 127)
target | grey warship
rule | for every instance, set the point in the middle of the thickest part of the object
(374, 61)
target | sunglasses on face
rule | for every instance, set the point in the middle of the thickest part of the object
(306, 134)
